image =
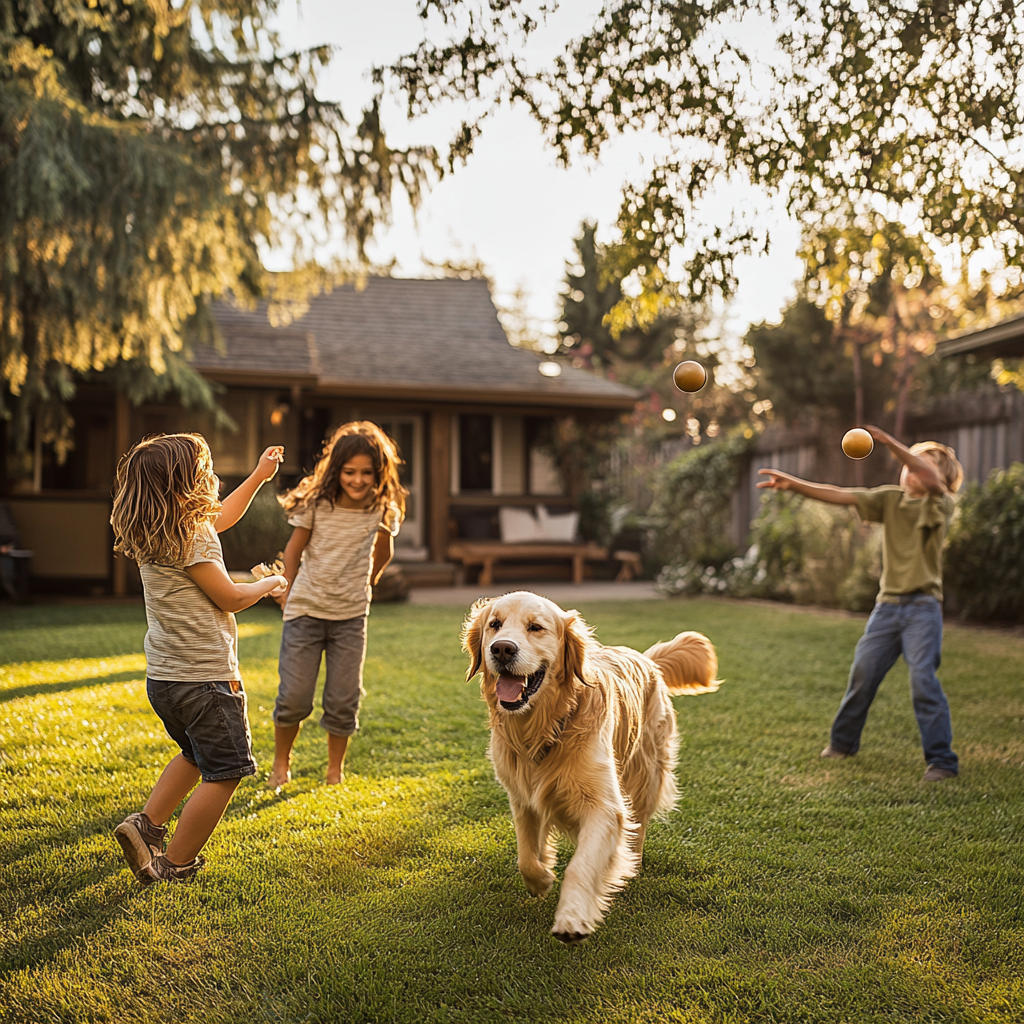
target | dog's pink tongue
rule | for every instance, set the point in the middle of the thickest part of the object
(509, 688)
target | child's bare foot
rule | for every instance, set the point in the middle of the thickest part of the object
(335, 778)
(278, 777)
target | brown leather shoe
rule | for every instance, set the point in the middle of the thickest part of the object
(140, 840)
(835, 755)
(933, 773)
(160, 869)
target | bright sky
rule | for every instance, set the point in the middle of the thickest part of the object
(512, 206)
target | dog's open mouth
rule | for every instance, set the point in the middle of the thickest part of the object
(513, 692)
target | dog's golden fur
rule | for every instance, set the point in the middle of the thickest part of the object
(591, 752)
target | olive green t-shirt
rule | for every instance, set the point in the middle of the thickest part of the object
(913, 530)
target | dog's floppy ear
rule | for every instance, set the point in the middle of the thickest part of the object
(575, 636)
(472, 634)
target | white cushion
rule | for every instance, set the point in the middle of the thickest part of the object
(518, 525)
(557, 527)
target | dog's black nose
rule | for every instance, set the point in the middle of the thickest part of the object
(504, 650)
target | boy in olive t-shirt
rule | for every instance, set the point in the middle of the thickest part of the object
(907, 618)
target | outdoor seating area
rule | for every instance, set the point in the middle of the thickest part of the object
(488, 553)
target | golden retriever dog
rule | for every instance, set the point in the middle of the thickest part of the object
(583, 738)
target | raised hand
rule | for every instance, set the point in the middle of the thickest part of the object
(878, 434)
(777, 480)
(270, 462)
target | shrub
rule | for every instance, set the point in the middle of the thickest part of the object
(693, 503)
(259, 535)
(803, 551)
(984, 561)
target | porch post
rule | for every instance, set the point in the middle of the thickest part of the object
(440, 484)
(122, 440)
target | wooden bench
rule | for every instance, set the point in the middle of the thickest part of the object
(486, 552)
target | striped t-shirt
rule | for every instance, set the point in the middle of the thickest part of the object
(333, 581)
(189, 638)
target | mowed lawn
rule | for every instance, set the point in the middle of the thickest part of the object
(783, 888)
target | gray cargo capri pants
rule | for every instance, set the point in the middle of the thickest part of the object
(303, 642)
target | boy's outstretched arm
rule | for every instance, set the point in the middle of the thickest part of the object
(779, 481)
(924, 469)
(235, 505)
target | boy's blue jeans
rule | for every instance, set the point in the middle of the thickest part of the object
(911, 627)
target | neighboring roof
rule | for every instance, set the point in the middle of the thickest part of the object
(400, 338)
(1005, 339)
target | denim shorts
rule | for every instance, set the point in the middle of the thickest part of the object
(209, 722)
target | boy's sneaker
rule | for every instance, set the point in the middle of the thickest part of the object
(933, 773)
(160, 869)
(140, 840)
(836, 755)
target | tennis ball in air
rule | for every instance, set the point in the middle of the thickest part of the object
(857, 443)
(689, 376)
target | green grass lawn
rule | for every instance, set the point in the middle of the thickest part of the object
(783, 888)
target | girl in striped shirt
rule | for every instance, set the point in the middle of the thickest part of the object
(346, 514)
(167, 517)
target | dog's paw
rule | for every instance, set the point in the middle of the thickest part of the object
(538, 884)
(570, 938)
(575, 917)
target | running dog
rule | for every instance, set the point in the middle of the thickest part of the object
(583, 738)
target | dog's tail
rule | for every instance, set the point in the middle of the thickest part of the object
(688, 662)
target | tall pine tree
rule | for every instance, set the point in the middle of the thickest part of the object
(150, 150)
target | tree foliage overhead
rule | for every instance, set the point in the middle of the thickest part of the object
(592, 292)
(644, 354)
(150, 151)
(905, 110)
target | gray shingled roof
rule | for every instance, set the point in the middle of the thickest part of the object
(396, 337)
(258, 348)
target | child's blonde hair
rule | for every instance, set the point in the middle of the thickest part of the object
(164, 491)
(945, 460)
(360, 437)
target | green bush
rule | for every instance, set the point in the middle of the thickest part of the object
(802, 551)
(984, 561)
(259, 535)
(693, 502)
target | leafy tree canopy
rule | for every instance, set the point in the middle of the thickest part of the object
(592, 292)
(150, 151)
(643, 354)
(894, 110)
(876, 353)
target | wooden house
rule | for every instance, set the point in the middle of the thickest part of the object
(428, 360)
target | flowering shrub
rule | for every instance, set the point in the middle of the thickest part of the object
(803, 551)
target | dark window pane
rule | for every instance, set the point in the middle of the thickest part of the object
(475, 440)
(403, 437)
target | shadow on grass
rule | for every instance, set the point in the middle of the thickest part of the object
(84, 908)
(37, 689)
(319, 847)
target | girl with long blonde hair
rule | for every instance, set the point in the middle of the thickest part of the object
(346, 514)
(167, 518)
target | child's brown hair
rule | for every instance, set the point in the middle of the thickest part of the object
(945, 460)
(360, 437)
(164, 490)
